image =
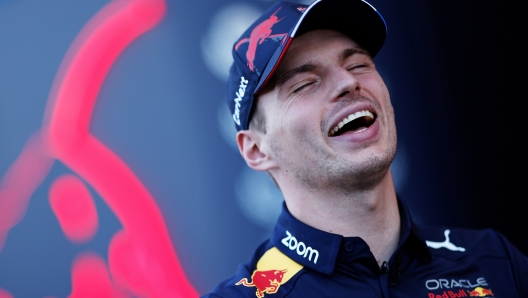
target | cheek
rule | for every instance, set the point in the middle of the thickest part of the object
(292, 129)
(304, 120)
(296, 117)
(378, 91)
(374, 84)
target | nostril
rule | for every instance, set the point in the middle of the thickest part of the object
(344, 93)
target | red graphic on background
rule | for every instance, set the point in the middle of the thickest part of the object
(90, 278)
(266, 282)
(142, 261)
(258, 36)
(72, 203)
(5, 294)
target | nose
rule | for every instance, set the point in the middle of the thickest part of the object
(343, 83)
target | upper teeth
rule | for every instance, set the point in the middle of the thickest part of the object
(350, 117)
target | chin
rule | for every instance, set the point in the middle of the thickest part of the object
(367, 174)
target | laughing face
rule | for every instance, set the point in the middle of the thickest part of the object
(329, 119)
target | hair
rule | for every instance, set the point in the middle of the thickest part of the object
(257, 118)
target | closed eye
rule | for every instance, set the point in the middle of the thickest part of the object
(358, 66)
(302, 87)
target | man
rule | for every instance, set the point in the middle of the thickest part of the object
(313, 112)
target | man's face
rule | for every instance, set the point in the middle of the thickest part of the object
(324, 81)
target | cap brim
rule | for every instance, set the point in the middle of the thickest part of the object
(357, 19)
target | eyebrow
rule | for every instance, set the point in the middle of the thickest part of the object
(344, 54)
(351, 51)
(285, 76)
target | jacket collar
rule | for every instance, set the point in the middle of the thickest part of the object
(319, 250)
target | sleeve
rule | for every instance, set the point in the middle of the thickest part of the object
(519, 264)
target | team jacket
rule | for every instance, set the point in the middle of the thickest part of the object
(430, 262)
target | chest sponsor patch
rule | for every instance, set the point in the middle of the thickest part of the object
(453, 288)
(447, 244)
(273, 270)
(302, 249)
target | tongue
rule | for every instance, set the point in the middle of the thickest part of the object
(355, 126)
(351, 131)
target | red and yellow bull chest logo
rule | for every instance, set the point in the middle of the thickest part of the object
(273, 269)
(481, 292)
(265, 281)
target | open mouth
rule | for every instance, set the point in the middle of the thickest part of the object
(356, 122)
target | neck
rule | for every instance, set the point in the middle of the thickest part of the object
(372, 215)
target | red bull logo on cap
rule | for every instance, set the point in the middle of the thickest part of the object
(267, 279)
(258, 35)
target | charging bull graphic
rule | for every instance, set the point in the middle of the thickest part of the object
(258, 35)
(265, 281)
(481, 292)
(141, 259)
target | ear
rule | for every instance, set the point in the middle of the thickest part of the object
(250, 146)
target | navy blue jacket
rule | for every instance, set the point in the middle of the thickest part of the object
(430, 262)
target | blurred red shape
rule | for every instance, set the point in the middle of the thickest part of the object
(142, 258)
(73, 206)
(90, 277)
(5, 294)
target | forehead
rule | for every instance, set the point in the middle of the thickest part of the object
(315, 45)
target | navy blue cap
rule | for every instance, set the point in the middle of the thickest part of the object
(258, 52)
